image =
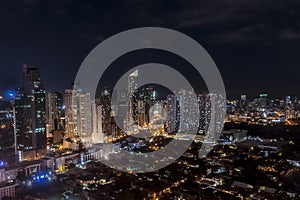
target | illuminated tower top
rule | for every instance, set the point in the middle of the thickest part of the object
(133, 82)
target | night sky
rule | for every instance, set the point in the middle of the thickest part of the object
(255, 43)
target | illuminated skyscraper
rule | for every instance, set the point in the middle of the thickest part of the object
(82, 117)
(145, 98)
(188, 113)
(213, 126)
(173, 116)
(287, 100)
(133, 82)
(70, 110)
(205, 112)
(243, 102)
(31, 112)
(54, 109)
(105, 103)
(131, 117)
(263, 100)
(97, 135)
(243, 97)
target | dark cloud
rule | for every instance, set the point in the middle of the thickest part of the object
(252, 41)
(243, 21)
(290, 34)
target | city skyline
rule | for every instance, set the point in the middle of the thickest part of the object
(162, 92)
(176, 99)
(58, 135)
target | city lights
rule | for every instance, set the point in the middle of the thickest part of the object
(151, 100)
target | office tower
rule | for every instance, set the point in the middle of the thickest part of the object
(70, 111)
(205, 112)
(105, 102)
(263, 100)
(212, 128)
(287, 100)
(120, 109)
(142, 118)
(291, 104)
(30, 107)
(211, 107)
(133, 82)
(146, 98)
(84, 116)
(243, 102)
(188, 113)
(173, 116)
(97, 135)
(243, 97)
(54, 111)
(132, 120)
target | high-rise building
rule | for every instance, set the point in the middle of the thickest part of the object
(70, 110)
(120, 109)
(97, 135)
(263, 100)
(188, 113)
(243, 97)
(205, 112)
(211, 107)
(105, 103)
(141, 113)
(30, 105)
(213, 126)
(287, 100)
(243, 102)
(82, 117)
(146, 98)
(133, 82)
(173, 116)
(132, 117)
(54, 111)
